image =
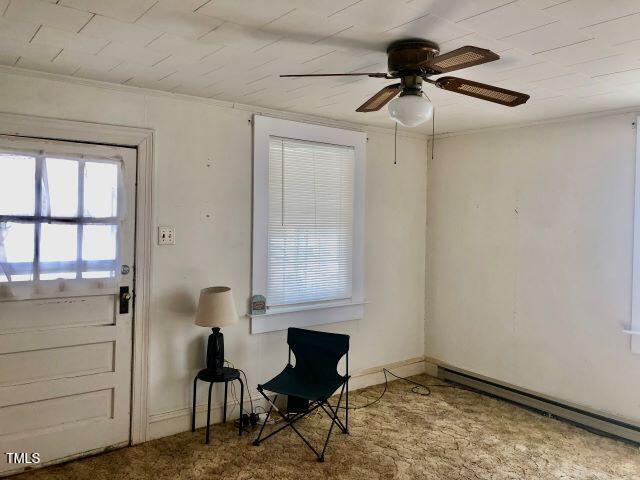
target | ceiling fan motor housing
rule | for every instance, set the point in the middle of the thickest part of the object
(411, 85)
(404, 56)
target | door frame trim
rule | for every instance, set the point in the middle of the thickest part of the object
(143, 140)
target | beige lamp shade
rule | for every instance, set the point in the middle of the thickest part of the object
(216, 308)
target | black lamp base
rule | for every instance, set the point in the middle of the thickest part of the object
(215, 350)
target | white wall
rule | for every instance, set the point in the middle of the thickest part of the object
(203, 167)
(529, 249)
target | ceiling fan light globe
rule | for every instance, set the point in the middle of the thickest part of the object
(410, 110)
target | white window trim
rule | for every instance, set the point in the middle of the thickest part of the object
(321, 312)
(634, 331)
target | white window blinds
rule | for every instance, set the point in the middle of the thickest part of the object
(310, 228)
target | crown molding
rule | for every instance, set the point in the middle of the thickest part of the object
(287, 115)
(563, 119)
(301, 117)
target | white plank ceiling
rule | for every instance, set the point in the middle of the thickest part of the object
(571, 56)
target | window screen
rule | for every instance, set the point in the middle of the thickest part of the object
(310, 228)
(58, 219)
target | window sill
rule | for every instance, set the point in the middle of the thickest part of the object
(635, 339)
(305, 316)
(631, 332)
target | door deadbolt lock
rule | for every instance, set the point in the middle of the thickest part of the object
(125, 269)
(125, 296)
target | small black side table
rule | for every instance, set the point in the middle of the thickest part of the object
(212, 376)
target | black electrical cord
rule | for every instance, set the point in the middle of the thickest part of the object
(246, 384)
(415, 389)
(252, 413)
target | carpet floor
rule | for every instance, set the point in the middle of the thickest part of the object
(454, 434)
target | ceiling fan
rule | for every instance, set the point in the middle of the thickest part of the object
(414, 61)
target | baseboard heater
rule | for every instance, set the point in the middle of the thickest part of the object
(590, 420)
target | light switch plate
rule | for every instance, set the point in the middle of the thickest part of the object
(166, 236)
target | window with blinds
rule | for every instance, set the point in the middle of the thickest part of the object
(311, 222)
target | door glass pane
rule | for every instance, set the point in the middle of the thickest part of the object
(98, 274)
(61, 183)
(22, 277)
(58, 243)
(100, 190)
(16, 251)
(18, 190)
(56, 275)
(99, 242)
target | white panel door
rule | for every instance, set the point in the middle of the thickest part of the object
(67, 218)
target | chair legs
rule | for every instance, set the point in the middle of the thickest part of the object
(257, 441)
(289, 421)
(330, 413)
(334, 421)
(346, 411)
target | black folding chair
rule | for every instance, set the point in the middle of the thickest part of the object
(314, 378)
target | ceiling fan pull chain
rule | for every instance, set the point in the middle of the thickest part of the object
(395, 146)
(433, 133)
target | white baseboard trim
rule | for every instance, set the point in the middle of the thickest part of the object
(177, 421)
(430, 368)
(375, 376)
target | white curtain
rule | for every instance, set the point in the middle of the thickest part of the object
(60, 223)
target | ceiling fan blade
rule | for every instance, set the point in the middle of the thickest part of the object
(374, 75)
(482, 91)
(459, 58)
(380, 99)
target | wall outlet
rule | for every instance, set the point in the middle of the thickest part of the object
(166, 236)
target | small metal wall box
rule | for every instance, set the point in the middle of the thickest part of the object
(258, 305)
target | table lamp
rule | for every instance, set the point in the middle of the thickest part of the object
(216, 309)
